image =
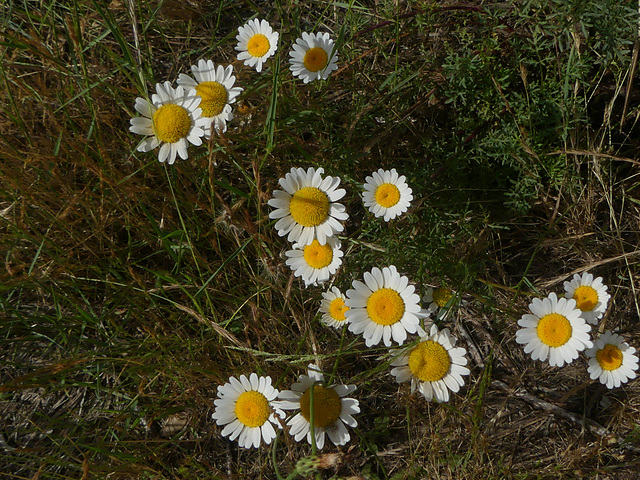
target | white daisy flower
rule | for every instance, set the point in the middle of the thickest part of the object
(172, 119)
(434, 366)
(333, 308)
(383, 307)
(438, 298)
(256, 42)
(612, 360)
(215, 87)
(247, 408)
(555, 330)
(312, 58)
(332, 409)
(307, 208)
(386, 194)
(315, 263)
(590, 295)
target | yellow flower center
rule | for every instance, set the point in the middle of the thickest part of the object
(429, 361)
(441, 296)
(309, 206)
(318, 256)
(609, 357)
(258, 45)
(586, 298)
(315, 59)
(171, 123)
(214, 98)
(326, 406)
(387, 195)
(252, 409)
(554, 330)
(337, 309)
(385, 306)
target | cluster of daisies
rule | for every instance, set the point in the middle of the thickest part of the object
(558, 329)
(382, 308)
(201, 104)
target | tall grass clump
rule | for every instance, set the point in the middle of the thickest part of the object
(133, 289)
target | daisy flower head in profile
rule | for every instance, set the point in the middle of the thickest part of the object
(554, 329)
(383, 307)
(215, 87)
(247, 407)
(313, 57)
(171, 120)
(332, 410)
(590, 295)
(307, 207)
(611, 360)
(386, 194)
(315, 263)
(256, 43)
(333, 308)
(434, 366)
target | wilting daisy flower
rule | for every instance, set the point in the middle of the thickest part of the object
(555, 330)
(333, 308)
(331, 409)
(590, 295)
(311, 57)
(256, 42)
(172, 119)
(307, 208)
(383, 307)
(386, 194)
(434, 366)
(247, 408)
(315, 263)
(215, 87)
(612, 360)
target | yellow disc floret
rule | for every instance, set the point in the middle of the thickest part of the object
(326, 406)
(309, 206)
(337, 310)
(387, 195)
(318, 256)
(258, 45)
(554, 330)
(171, 123)
(586, 298)
(315, 59)
(441, 296)
(385, 306)
(429, 361)
(252, 409)
(214, 98)
(609, 357)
